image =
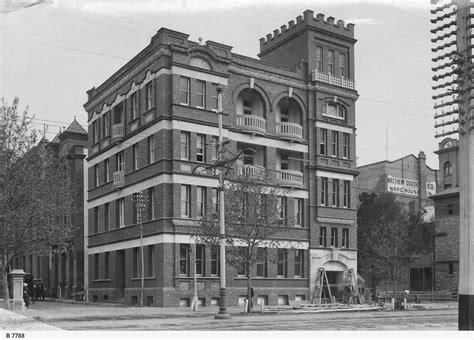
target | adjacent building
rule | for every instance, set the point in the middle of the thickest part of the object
(62, 270)
(413, 182)
(155, 120)
(446, 200)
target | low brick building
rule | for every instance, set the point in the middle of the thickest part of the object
(154, 120)
(446, 199)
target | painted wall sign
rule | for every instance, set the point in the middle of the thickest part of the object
(402, 186)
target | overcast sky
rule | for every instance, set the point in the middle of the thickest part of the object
(54, 51)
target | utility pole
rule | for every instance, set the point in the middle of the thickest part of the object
(140, 201)
(222, 291)
(457, 14)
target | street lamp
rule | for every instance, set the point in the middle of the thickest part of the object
(222, 314)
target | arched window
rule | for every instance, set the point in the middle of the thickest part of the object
(334, 110)
(448, 168)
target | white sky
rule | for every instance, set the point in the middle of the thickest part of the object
(53, 52)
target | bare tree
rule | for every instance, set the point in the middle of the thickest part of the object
(252, 221)
(36, 193)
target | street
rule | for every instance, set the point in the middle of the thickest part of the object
(98, 318)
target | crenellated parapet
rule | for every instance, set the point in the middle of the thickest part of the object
(318, 22)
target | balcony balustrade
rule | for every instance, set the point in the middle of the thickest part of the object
(251, 170)
(333, 80)
(291, 131)
(290, 178)
(117, 133)
(251, 123)
(119, 179)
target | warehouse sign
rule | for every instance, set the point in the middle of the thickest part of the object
(402, 186)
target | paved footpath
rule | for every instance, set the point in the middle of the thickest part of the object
(83, 316)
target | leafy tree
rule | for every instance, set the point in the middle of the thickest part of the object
(36, 193)
(383, 238)
(251, 222)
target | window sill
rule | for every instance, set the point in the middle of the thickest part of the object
(101, 280)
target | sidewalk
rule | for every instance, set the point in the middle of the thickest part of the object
(42, 312)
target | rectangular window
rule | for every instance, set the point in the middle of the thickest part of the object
(299, 263)
(107, 170)
(261, 262)
(324, 191)
(282, 262)
(106, 265)
(149, 95)
(241, 268)
(346, 145)
(335, 144)
(136, 262)
(214, 260)
(96, 266)
(323, 142)
(342, 64)
(106, 124)
(151, 149)
(215, 100)
(201, 201)
(200, 259)
(185, 201)
(201, 148)
(282, 209)
(346, 200)
(118, 113)
(298, 212)
(319, 59)
(150, 261)
(184, 90)
(96, 219)
(184, 259)
(150, 202)
(120, 216)
(200, 93)
(135, 156)
(334, 237)
(335, 192)
(215, 201)
(331, 62)
(450, 268)
(96, 175)
(345, 238)
(185, 146)
(214, 147)
(134, 103)
(95, 131)
(120, 162)
(106, 216)
(322, 236)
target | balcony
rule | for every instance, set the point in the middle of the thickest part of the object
(332, 80)
(290, 131)
(119, 179)
(251, 170)
(251, 123)
(290, 178)
(117, 133)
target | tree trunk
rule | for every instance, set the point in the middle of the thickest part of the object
(249, 297)
(4, 283)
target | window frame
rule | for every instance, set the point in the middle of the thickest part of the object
(331, 62)
(184, 90)
(335, 192)
(151, 149)
(184, 259)
(299, 263)
(323, 236)
(200, 148)
(319, 61)
(201, 201)
(200, 94)
(150, 261)
(342, 65)
(345, 238)
(149, 95)
(347, 194)
(346, 152)
(324, 191)
(134, 105)
(323, 142)
(135, 157)
(298, 209)
(185, 145)
(334, 240)
(335, 144)
(261, 262)
(185, 201)
(215, 263)
(282, 262)
(200, 259)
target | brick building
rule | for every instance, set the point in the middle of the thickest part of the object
(413, 182)
(446, 200)
(62, 271)
(154, 120)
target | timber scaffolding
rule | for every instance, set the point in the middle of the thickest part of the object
(322, 286)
